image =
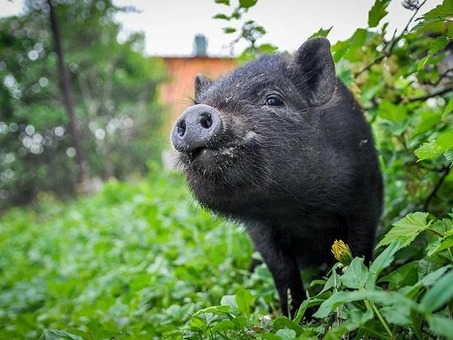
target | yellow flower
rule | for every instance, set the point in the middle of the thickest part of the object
(341, 252)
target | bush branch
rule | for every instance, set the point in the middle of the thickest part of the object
(387, 50)
(432, 94)
(433, 193)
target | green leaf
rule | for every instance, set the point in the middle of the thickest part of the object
(441, 325)
(445, 140)
(228, 30)
(436, 46)
(229, 301)
(221, 16)
(378, 297)
(433, 277)
(384, 259)
(437, 14)
(270, 336)
(283, 322)
(406, 229)
(332, 281)
(322, 32)
(439, 245)
(402, 276)
(223, 2)
(258, 28)
(448, 108)
(267, 48)
(240, 322)
(354, 319)
(397, 314)
(392, 112)
(427, 122)
(377, 12)
(244, 300)
(350, 49)
(443, 10)
(218, 310)
(428, 150)
(439, 294)
(286, 334)
(312, 302)
(435, 147)
(247, 3)
(197, 322)
(54, 334)
(357, 275)
(223, 325)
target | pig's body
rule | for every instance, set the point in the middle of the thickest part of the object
(281, 145)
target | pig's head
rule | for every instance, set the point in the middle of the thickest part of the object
(253, 135)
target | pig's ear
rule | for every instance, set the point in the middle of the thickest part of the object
(201, 84)
(315, 71)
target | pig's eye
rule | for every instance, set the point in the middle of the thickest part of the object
(274, 100)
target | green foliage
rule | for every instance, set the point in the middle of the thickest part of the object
(377, 12)
(440, 145)
(405, 86)
(440, 14)
(437, 45)
(134, 261)
(406, 229)
(114, 89)
(322, 33)
(142, 261)
(247, 30)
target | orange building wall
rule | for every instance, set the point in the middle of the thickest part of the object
(177, 92)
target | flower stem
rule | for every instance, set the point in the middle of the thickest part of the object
(335, 289)
(376, 311)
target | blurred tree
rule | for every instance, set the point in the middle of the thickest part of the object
(114, 99)
(66, 90)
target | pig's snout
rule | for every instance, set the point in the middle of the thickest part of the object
(198, 127)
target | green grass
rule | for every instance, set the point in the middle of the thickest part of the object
(143, 261)
(135, 259)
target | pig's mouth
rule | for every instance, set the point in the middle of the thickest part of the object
(223, 150)
(195, 153)
(211, 155)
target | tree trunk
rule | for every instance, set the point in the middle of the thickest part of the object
(68, 100)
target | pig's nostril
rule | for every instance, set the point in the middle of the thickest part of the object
(206, 121)
(181, 128)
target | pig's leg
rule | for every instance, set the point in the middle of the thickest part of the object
(282, 265)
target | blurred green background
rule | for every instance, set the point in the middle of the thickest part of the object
(115, 128)
(99, 241)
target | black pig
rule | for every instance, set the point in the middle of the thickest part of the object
(281, 145)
